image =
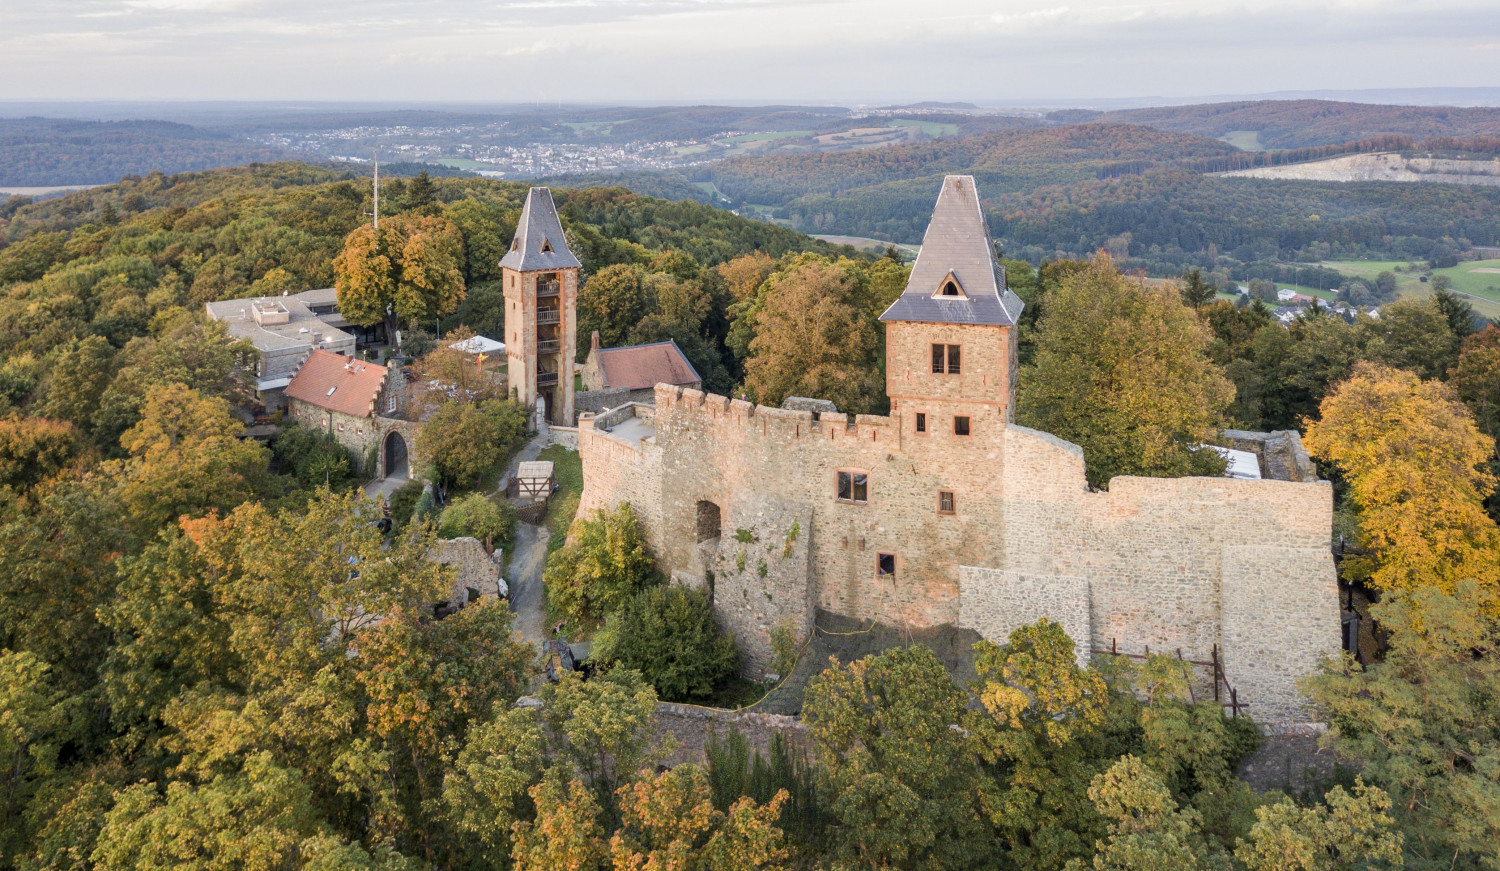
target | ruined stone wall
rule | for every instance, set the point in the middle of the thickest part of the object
(1184, 563)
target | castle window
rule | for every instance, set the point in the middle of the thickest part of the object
(922, 421)
(854, 487)
(960, 426)
(885, 565)
(390, 402)
(546, 247)
(945, 502)
(945, 358)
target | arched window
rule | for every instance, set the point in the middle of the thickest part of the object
(950, 288)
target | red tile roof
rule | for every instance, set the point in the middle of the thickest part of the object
(642, 366)
(338, 383)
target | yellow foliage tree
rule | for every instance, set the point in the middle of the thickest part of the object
(1413, 458)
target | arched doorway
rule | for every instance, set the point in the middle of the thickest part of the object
(396, 464)
(709, 519)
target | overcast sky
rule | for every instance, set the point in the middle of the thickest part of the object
(987, 51)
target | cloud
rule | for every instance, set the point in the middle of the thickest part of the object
(659, 50)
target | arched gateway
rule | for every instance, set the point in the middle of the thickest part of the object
(395, 455)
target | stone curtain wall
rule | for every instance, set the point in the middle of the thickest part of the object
(1278, 605)
(760, 578)
(1149, 556)
(994, 603)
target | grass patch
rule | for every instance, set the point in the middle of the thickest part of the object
(1483, 288)
(1244, 140)
(931, 128)
(567, 471)
(766, 137)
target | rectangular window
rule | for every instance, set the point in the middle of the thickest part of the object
(854, 487)
(885, 565)
(945, 358)
(390, 403)
(921, 421)
(945, 501)
(961, 426)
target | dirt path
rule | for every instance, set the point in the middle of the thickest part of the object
(527, 596)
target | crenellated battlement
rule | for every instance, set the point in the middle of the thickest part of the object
(681, 410)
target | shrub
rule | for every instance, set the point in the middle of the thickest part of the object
(313, 457)
(465, 441)
(670, 636)
(598, 572)
(477, 516)
(404, 502)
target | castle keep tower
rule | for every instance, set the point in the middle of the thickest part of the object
(951, 335)
(540, 277)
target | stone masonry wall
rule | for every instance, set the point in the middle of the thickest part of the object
(759, 579)
(994, 603)
(1153, 553)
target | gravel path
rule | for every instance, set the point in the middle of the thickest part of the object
(527, 596)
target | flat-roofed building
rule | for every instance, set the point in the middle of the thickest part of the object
(284, 330)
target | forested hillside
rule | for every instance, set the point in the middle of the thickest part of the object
(53, 151)
(1303, 123)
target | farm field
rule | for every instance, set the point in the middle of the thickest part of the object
(1481, 287)
(1245, 140)
(931, 128)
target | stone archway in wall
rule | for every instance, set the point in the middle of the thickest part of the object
(395, 457)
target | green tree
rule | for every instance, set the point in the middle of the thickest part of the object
(475, 515)
(1423, 723)
(32, 730)
(1344, 833)
(612, 301)
(901, 775)
(669, 821)
(1147, 829)
(1411, 334)
(33, 450)
(605, 563)
(607, 725)
(77, 380)
(1196, 292)
(670, 636)
(1123, 371)
(411, 271)
(467, 440)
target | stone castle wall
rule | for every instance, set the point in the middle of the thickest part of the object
(1184, 563)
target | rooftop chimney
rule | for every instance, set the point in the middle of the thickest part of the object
(594, 340)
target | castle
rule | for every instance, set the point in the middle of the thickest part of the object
(947, 512)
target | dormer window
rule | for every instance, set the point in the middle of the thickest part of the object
(515, 243)
(951, 288)
(546, 247)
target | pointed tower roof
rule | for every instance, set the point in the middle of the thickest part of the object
(957, 245)
(539, 242)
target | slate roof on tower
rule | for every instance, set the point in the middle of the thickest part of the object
(957, 243)
(539, 242)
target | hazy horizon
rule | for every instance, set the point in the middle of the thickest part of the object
(602, 52)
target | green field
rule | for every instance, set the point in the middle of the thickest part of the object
(931, 128)
(1482, 288)
(1245, 140)
(766, 137)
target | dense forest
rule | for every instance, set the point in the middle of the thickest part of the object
(1283, 124)
(217, 654)
(36, 152)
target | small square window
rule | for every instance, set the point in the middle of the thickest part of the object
(961, 426)
(921, 421)
(945, 501)
(854, 487)
(885, 565)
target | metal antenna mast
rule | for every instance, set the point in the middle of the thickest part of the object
(376, 213)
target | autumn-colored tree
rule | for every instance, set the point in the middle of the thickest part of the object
(1147, 829)
(567, 834)
(744, 274)
(1345, 832)
(1414, 462)
(813, 338)
(33, 450)
(669, 821)
(411, 271)
(605, 563)
(1122, 370)
(457, 371)
(187, 457)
